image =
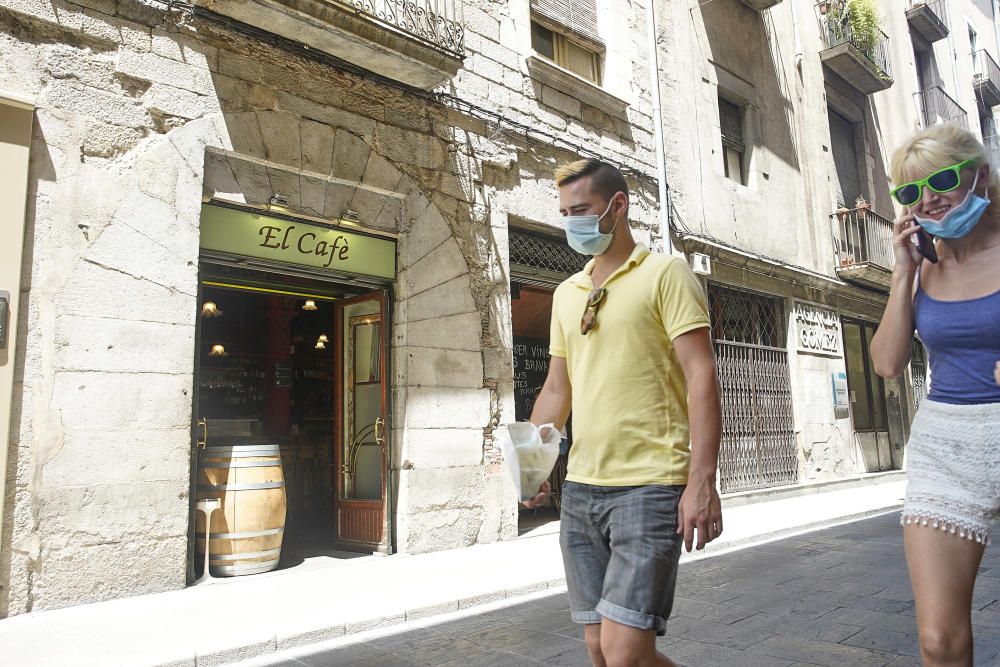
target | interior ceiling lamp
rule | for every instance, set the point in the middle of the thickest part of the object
(309, 305)
(210, 309)
(323, 339)
(218, 351)
(320, 345)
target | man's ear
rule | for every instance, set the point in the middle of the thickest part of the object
(622, 203)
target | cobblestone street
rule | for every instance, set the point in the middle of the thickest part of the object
(834, 597)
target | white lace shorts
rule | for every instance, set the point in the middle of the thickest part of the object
(953, 468)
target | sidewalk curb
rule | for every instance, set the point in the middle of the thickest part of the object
(557, 585)
(792, 531)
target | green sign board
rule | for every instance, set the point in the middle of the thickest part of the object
(245, 233)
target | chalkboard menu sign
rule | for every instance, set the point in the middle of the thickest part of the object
(531, 365)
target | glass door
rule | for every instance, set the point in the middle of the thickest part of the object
(867, 395)
(362, 449)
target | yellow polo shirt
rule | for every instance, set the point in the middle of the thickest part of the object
(630, 418)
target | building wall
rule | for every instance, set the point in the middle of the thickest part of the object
(774, 234)
(143, 113)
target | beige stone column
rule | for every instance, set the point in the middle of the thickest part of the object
(16, 114)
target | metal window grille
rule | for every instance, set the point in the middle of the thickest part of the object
(580, 16)
(731, 124)
(758, 432)
(745, 317)
(538, 252)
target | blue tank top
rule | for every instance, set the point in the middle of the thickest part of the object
(963, 345)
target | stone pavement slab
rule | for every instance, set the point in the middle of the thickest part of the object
(537, 632)
(237, 619)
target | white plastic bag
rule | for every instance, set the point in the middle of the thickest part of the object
(531, 452)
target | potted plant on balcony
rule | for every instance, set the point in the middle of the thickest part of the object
(865, 29)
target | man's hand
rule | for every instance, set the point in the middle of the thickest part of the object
(700, 507)
(996, 372)
(543, 494)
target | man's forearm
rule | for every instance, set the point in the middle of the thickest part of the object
(705, 418)
(550, 408)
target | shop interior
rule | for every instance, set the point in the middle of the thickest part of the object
(531, 312)
(268, 373)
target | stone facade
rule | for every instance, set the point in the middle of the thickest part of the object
(142, 113)
(774, 233)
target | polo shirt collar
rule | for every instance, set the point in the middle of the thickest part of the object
(582, 279)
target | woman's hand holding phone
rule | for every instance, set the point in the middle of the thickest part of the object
(908, 255)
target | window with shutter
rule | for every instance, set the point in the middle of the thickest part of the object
(580, 16)
(733, 146)
(565, 52)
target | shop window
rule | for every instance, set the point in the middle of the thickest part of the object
(566, 53)
(733, 145)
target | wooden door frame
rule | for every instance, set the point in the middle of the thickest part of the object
(384, 544)
(866, 364)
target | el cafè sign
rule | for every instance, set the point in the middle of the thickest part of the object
(264, 237)
(817, 330)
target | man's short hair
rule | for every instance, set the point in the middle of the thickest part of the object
(604, 179)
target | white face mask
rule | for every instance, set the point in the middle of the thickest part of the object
(583, 233)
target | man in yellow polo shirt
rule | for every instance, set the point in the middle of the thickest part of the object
(633, 359)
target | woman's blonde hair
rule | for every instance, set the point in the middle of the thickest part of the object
(938, 147)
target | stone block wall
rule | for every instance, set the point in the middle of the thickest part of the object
(142, 113)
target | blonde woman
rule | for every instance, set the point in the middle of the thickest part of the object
(948, 290)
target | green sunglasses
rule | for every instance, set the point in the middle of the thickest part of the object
(943, 180)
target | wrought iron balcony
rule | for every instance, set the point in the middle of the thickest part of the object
(928, 19)
(418, 42)
(986, 79)
(860, 60)
(760, 5)
(938, 108)
(862, 243)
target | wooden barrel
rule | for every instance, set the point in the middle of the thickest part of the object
(246, 532)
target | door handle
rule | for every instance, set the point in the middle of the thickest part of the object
(380, 437)
(202, 442)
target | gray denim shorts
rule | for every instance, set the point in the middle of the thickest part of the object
(620, 551)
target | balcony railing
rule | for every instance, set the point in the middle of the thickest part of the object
(986, 79)
(928, 18)
(876, 51)
(937, 107)
(862, 239)
(861, 59)
(434, 21)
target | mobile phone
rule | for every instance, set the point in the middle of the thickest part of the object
(925, 246)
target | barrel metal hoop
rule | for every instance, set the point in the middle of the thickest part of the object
(241, 452)
(240, 464)
(236, 570)
(248, 554)
(238, 536)
(242, 487)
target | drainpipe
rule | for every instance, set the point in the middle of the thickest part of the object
(797, 39)
(661, 165)
(996, 27)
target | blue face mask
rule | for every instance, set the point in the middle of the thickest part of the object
(583, 233)
(960, 220)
